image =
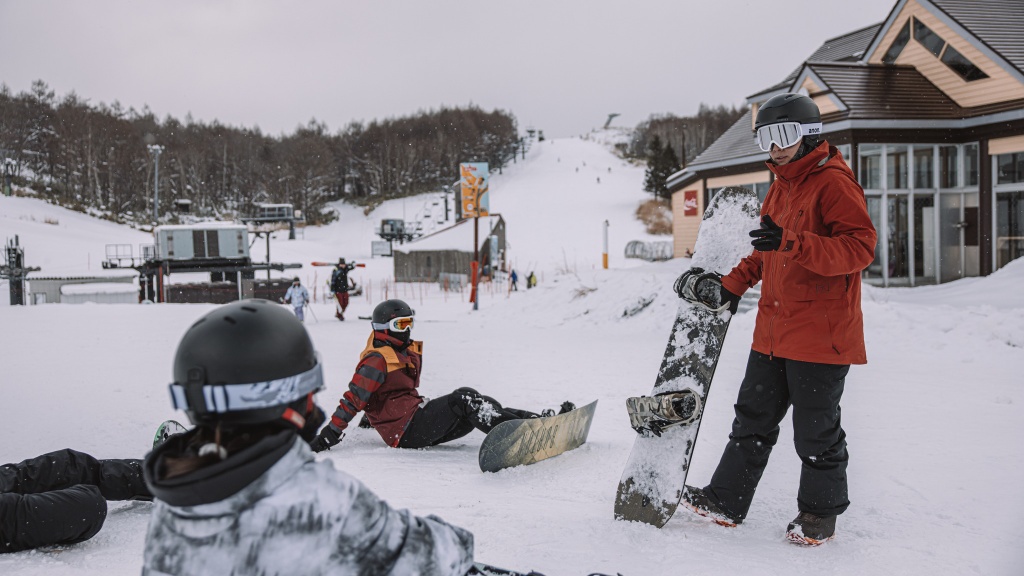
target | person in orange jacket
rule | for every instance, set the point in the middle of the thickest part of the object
(814, 240)
(386, 386)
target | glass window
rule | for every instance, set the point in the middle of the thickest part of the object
(927, 38)
(962, 65)
(924, 167)
(1009, 227)
(924, 239)
(1010, 168)
(874, 270)
(949, 166)
(898, 44)
(870, 166)
(971, 164)
(896, 169)
(761, 189)
(899, 257)
(845, 150)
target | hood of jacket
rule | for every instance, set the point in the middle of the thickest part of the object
(218, 481)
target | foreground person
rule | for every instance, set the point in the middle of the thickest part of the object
(241, 493)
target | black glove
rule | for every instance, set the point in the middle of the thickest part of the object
(726, 296)
(768, 237)
(327, 438)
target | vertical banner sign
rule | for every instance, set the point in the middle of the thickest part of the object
(474, 181)
(689, 203)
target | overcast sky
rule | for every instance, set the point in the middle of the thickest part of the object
(560, 66)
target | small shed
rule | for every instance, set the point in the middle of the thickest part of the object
(450, 251)
(77, 289)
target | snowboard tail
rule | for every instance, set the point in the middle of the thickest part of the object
(652, 483)
(523, 442)
(167, 429)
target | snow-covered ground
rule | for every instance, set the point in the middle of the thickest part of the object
(935, 421)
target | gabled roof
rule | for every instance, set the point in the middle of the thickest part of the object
(849, 47)
(999, 24)
(885, 92)
(994, 26)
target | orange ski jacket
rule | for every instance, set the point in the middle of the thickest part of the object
(810, 293)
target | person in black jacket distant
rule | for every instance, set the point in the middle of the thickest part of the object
(61, 497)
(340, 286)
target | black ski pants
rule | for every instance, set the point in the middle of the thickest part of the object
(771, 385)
(454, 415)
(61, 497)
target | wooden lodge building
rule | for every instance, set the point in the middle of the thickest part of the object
(927, 107)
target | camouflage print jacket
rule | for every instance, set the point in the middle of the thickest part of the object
(300, 516)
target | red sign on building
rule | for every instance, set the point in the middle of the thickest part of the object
(689, 203)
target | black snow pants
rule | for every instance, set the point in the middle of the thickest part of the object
(453, 416)
(61, 497)
(769, 388)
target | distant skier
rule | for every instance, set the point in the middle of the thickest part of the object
(386, 385)
(340, 286)
(61, 497)
(297, 296)
(515, 281)
(531, 281)
(809, 326)
(241, 493)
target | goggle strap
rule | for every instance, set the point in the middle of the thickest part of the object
(221, 398)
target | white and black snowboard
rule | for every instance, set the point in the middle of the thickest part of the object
(530, 440)
(667, 421)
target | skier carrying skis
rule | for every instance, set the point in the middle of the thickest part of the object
(814, 240)
(298, 296)
(241, 493)
(386, 383)
(340, 286)
(61, 497)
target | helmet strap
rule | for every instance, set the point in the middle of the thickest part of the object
(294, 418)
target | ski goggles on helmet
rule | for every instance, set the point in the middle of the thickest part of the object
(400, 324)
(784, 134)
(223, 398)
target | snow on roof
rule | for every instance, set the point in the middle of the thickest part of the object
(457, 237)
(99, 288)
(199, 226)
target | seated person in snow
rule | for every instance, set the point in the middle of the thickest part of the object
(386, 385)
(61, 497)
(241, 493)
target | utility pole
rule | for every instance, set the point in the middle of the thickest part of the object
(8, 175)
(604, 259)
(155, 150)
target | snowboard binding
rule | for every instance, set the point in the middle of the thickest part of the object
(652, 415)
(702, 289)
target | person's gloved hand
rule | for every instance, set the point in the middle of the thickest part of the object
(768, 237)
(732, 299)
(328, 437)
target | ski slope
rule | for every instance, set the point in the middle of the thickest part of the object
(934, 421)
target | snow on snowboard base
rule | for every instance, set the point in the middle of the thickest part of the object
(521, 442)
(652, 483)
